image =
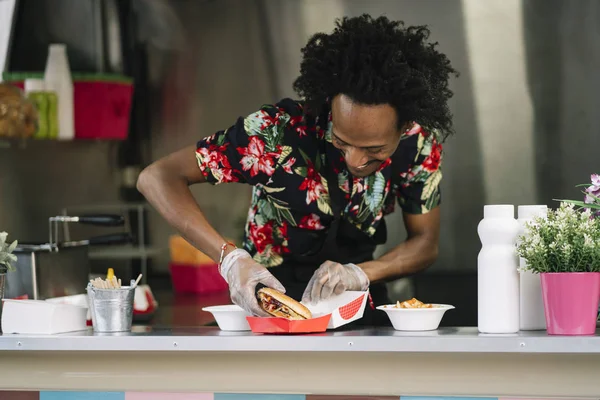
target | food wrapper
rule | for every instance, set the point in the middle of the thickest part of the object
(329, 314)
(345, 308)
(144, 301)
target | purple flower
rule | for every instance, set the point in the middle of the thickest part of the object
(593, 189)
(595, 180)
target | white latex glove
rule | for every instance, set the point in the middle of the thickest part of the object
(334, 278)
(242, 274)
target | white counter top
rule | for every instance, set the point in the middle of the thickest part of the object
(211, 339)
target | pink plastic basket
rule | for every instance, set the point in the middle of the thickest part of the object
(102, 108)
(197, 278)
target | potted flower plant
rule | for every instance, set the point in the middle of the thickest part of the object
(592, 196)
(564, 249)
(6, 260)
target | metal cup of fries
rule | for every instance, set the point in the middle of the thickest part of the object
(111, 305)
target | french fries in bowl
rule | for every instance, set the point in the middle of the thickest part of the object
(414, 315)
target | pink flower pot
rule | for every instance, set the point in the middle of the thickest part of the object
(571, 302)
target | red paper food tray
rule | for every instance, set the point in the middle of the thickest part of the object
(197, 279)
(282, 325)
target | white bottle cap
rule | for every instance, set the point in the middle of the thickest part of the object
(57, 47)
(499, 211)
(34, 85)
(532, 211)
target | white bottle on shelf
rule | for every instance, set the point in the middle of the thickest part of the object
(497, 271)
(530, 294)
(57, 78)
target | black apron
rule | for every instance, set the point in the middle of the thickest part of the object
(342, 242)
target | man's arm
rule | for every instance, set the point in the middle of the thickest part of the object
(165, 184)
(415, 254)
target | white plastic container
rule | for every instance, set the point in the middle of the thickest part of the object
(531, 312)
(39, 317)
(230, 317)
(497, 271)
(57, 78)
(80, 300)
(34, 85)
(415, 319)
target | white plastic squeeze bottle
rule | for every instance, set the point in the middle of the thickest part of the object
(57, 78)
(497, 271)
(530, 293)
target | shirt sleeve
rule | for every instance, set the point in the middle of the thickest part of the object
(418, 188)
(247, 152)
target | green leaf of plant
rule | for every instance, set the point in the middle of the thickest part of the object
(259, 219)
(267, 210)
(431, 184)
(323, 204)
(276, 201)
(272, 190)
(280, 206)
(287, 215)
(580, 203)
(12, 247)
(318, 163)
(302, 171)
(270, 142)
(285, 152)
(304, 156)
(268, 258)
(363, 213)
(432, 201)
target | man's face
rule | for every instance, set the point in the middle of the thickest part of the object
(367, 135)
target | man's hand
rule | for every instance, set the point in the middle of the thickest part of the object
(334, 278)
(242, 274)
(415, 254)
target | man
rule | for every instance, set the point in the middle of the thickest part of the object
(326, 170)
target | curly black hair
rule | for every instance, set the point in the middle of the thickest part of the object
(378, 61)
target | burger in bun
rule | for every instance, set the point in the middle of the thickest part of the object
(279, 305)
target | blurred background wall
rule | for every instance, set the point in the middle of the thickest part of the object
(525, 106)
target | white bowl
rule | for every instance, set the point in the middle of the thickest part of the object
(415, 319)
(230, 317)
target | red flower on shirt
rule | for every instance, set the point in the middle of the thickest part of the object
(287, 167)
(256, 159)
(262, 236)
(312, 183)
(296, 122)
(384, 164)
(416, 128)
(213, 160)
(268, 121)
(280, 245)
(432, 162)
(312, 222)
(269, 235)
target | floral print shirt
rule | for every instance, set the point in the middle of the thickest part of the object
(282, 155)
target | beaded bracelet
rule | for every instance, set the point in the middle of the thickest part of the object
(223, 247)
